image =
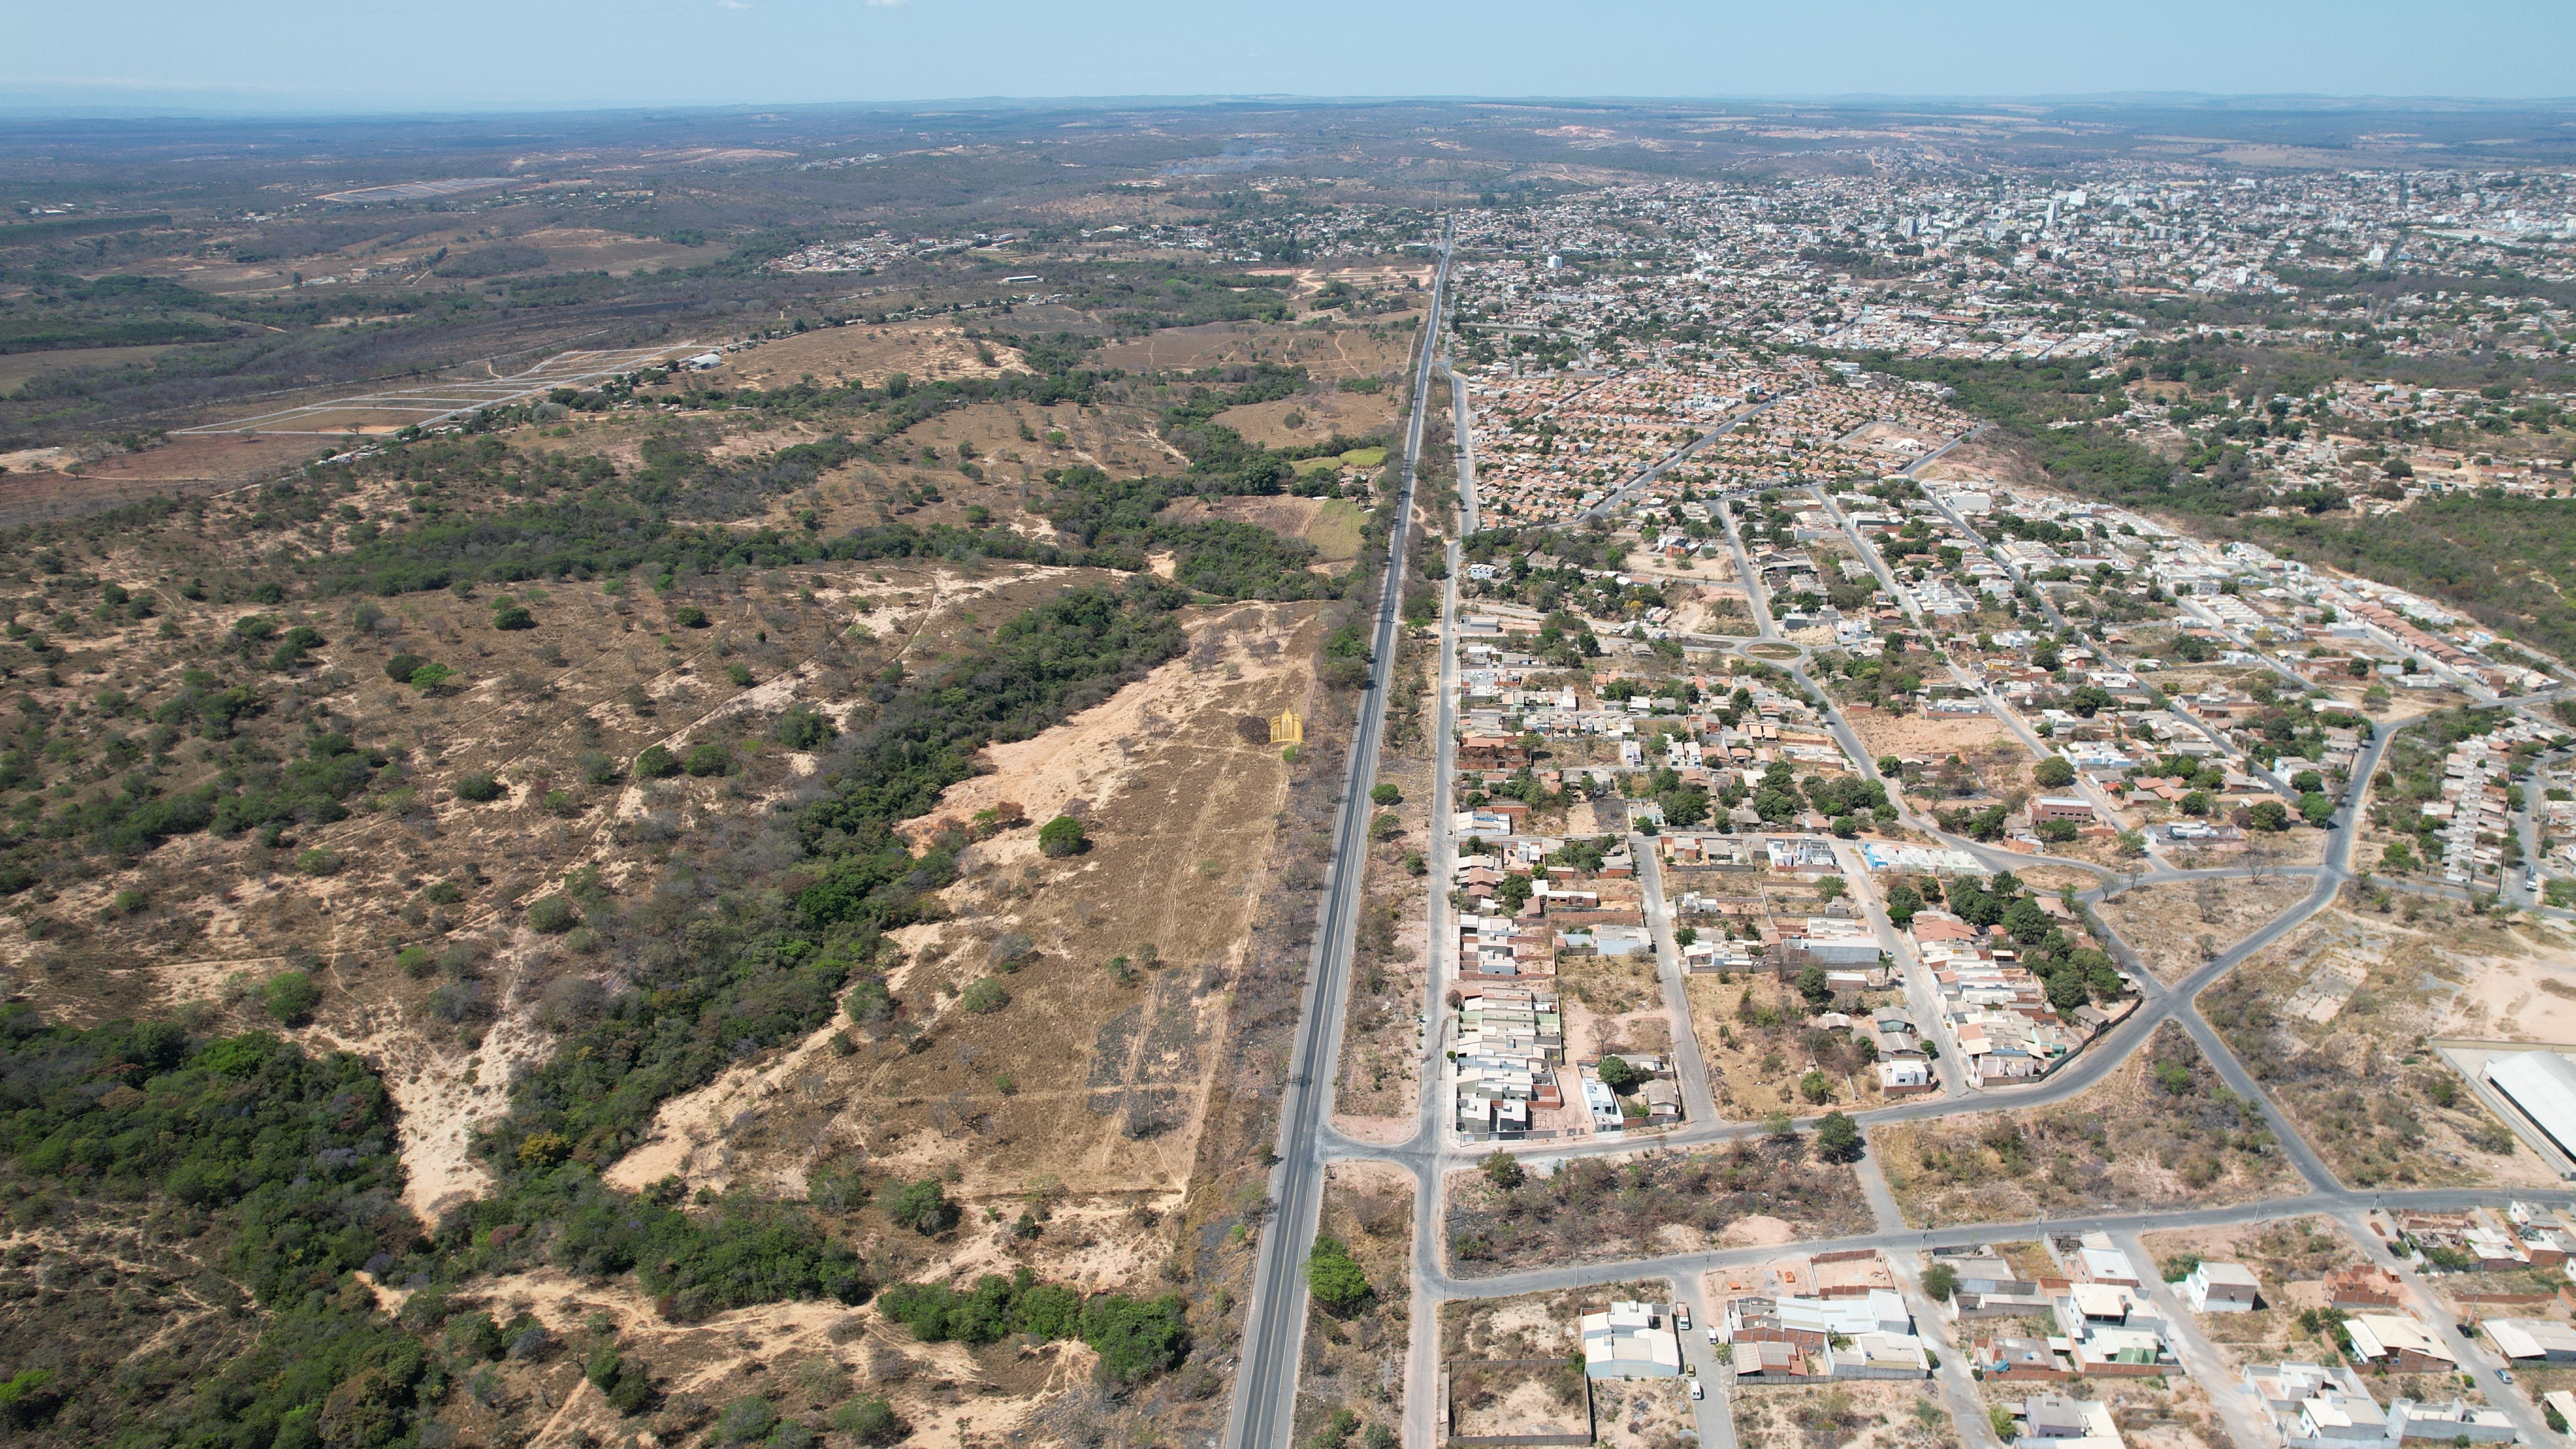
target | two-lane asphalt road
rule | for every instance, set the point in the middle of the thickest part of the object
(1265, 1392)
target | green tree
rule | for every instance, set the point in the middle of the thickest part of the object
(984, 996)
(2269, 815)
(656, 763)
(709, 759)
(1618, 1075)
(2317, 808)
(1334, 1277)
(430, 678)
(1386, 794)
(922, 1206)
(1816, 1087)
(1838, 1137)
(552, 915)
(2053, 773)
(1502, 1169)
(1063, 836)
(1812, 984)
(1940, 1281)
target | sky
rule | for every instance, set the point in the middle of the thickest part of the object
(366, 56)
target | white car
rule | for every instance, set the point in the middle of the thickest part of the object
(1681, 1318)
(1712, 1335)
(1697, 1392)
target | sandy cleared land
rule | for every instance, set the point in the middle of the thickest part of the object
(863, 355)
(2355, 1077)
(1325, 352)
(1868, 1414)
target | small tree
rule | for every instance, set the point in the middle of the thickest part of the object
(1502, 1169)
(710, 759)
(2053, 773)
(430, 678)
(984, 996)
(552, 915)
(1816, 1087)
(1063, 836)
(656, 763)
(1386, 794)
(1940, 1281)
(1837, 1138)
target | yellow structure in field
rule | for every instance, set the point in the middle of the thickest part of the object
(1287, 729)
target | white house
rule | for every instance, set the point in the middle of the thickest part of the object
(2221, 1288)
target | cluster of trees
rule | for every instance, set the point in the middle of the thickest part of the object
(1136, 1338)
(2072, 974)
(292, 1159)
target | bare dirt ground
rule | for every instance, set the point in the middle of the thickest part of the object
(2357, 1077)
(2137, 1139)
(1929, 737)
(2176, 927)
(1323, 413)
(862, 355)
(36, 489)
(1866, 1414)
(1325, 352)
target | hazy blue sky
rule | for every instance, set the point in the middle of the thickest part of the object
(507, 54)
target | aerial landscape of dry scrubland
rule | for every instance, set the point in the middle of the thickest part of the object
(1391, 773)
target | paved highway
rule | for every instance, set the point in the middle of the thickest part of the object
(1264, 1409)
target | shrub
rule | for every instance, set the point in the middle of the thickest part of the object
(290, 997)
(984, 996)
(709, 759)
(1012, 950)
(599, 769)
(430, 678)
(1503, 1170)
(552, 915)
(1063, 836)
(739, 673)
(318, 861)
(870, 1420)
(922, 1206)
(1386, 795)
(656, 763)
(744, 1420)
(513, 616)
(689, 616)
(402, 667)
(479, 788)
(802, 729)
(415, 961)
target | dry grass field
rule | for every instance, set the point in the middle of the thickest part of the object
(2158, 1132)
